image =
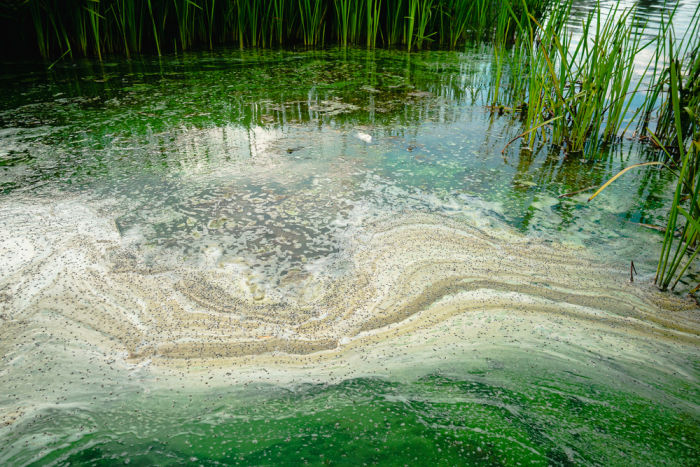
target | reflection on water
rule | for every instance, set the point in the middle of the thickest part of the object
(257, 256)
(197, 146)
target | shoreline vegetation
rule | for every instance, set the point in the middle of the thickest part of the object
(577, 88)
(95, 28)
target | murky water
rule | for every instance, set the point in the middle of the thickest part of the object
(267, 257)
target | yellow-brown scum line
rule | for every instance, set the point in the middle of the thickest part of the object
(409, 274)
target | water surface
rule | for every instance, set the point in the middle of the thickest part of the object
(266, 257)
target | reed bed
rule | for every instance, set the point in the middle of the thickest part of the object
(576, 93)
(583, 94)
(579, 93)
(52, 28)
(677, 133)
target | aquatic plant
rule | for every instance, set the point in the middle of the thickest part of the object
(454, 20)
(128, 27)
(677, 134)
(374, 8)
(682, 57)
(342, 10)
(682, 232)
(311, 14)
(590, 82)
(685, 199)
(579, 96)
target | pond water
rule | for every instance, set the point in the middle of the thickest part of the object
(270, 257)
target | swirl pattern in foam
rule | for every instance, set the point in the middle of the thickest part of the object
(407, 273)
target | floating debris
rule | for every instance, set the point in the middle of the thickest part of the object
(363, 137)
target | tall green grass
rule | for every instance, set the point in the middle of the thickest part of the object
(374, 10)
(685, 201)
(681, 57)
(672, 108)
(677, 133)
(585, 88)
(128, 27)
(581, 95)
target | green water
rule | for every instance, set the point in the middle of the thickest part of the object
(436, 418)
(262, 159)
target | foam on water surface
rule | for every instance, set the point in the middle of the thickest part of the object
(65, 260)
